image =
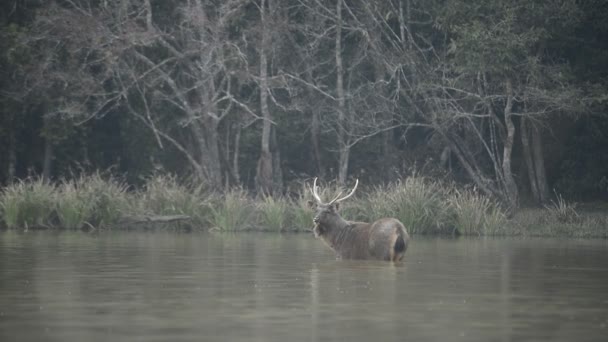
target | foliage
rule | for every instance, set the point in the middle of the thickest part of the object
(231, 211)
(147, 93)
(475, 214)
(164, 195)
(301, 214)
(563, 211)
(109, 199)
(273, 213)
(424, 206)
(543, 222)
(417, 202)
(73, 205)
(28, 203)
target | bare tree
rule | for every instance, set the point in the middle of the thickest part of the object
(268, 175)
(176, 79)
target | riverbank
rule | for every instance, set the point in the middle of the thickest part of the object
(423, 205)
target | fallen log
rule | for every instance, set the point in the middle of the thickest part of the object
(154, 219)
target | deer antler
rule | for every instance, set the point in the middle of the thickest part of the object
(337, 198)
(347, 196)
(339, 194)
(314, 192)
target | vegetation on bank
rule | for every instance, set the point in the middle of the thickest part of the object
(509, 95)
(423, 205)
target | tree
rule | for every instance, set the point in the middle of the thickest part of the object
(177, 79)
(495, 71)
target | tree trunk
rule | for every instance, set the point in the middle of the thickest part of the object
(315, 132)
(207, 165)
(265, 172)
(211, 158)
(47, 163)
(11, 171)
(277, 175)
(342, 122)
(445, 159)
(527, 152)
(388, 153)
(315, 129)
(510, 186)
(235, 157)
(47, 160)
(533, 155)
(539, 163)
(467, 162)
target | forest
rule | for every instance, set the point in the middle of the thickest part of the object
(509, 97)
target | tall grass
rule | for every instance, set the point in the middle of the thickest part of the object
(301, 213)
(164, 195)
(28, 203)
(423, 205)
(109, 197)
(231, 211)
(563, 211)
(417, 202)
(74, 207)
(92, 200)
(474, 214)
(273, 213)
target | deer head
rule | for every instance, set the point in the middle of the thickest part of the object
(326, 214)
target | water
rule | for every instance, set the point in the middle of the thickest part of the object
(159, 286)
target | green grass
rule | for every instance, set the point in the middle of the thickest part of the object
(301, 213)
(544, 222)
(424, 206)
(164, 195)
(272, 213)
(28, 203)
(73, 206)
(231, 211)
(109, 198)
(563, 211)
(417, 202)
(475, 214)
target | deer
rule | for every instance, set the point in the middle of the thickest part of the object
(384, 239)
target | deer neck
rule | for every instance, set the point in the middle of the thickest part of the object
(336, 231)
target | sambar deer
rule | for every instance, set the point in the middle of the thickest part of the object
(384, 239)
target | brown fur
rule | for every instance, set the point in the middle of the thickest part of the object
(384, 239)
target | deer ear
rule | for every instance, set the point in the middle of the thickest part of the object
(336, 206)
(312, 204)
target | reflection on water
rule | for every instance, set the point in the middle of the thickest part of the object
(137, 286)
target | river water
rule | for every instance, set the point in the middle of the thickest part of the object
(167, 286)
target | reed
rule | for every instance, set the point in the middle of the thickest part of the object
(230, 212)
(28, 203)
(164, 195)
(424, 206)
(417, 202)
(74, 207)
(301, 214)
(475, 214)
(109, 197)
(562, 210)
(272, 213)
